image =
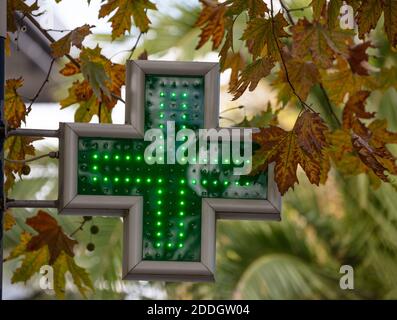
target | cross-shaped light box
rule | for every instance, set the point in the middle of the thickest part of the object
(169, 210)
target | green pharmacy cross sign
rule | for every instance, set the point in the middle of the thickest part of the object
(169, 207)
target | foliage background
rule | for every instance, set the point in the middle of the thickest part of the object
(345, 221)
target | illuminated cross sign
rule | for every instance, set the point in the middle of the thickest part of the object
(169, 209)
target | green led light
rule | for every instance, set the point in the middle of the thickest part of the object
(226, 160)
(162, 105)
(247, 183)
(181, 224)
(116, 157)
(184, 116)
(184, 94)
(158, 234)
(161, 115)
(214, 182)
(159, 191)
(181, 213)
(127, 179)
(204, 182)
(173, 94)
(127, 157)
(106, 157)
(159, 202)
(182, 203)
(182, 192)
(162, 94)
(95, 168)
(159, 213)
(248, 161)
(180, 234)
(161, 126)
(138, 180)
(236, 183)
(148, 180)
(158, 244)
(183, 126)
(182, 181)
(95, 179)
(159, 180)
(226, 183)
(180, 245)
(194, 181)
(95, 156)
(105, 179)
(169, 245)
(116, 179)
(138, 158)
(184, 106)
(158, 223)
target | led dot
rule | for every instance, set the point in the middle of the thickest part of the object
(194, 181)
(161, 115)
(95, 179)
(183, 126)
(181, 213)
(161, 126)
(236, 161)
(181, 224)
(181, 234)
(173, 94)
(162, 105)
(116, 179)
(236, 183)
(116, 157)
(184, 95)
(95, 156)
(158, 244)
(215, 182)
(159, 180)
(248, 161)
(182, 181)
(95, 168)
(162, 94)
(127, 157)
(169, 245)
(105, 179)
(127, 179)
(180, 245)
(159, 202)
(106, 157)
(184, 106)
(138, 180)
(159, 191)
(226, 183)
(184, 116)
(139, 158)
(159, 213)
(182, 192)
(158, 234)
(148, 180)
(158, 223)
(247, 183)
(204, 182)
(182, 203)
(226, 161)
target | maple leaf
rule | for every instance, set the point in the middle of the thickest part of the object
(87, 110)
(358, 58)
(74, 38)
(304, 146)
(15, 109)
(212, 23)
(355, 109)
(31, 264)
(390, 14)
(333, 13)
(251, 75)
(17, 148)
(124, 11)
(9, 220)
(51, 235)
(317, 40)
(255, 8)
(368, 15)
(20, 248)
(70, 69)
(64, 264)
(318, 8)
(234, 61)
(259, 34)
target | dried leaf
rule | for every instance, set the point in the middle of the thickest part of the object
(368, 15)
(51, 235)
(358, 58)
(74, 38)
(390, 13)
(255, 8)
(20, 248)
(9, 220)
(234, 61)
(15, 109)
(18, 5)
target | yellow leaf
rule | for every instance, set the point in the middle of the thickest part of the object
(20, 248)
(31, 264)
(9, 220)
(15, 109)
(124, 11)
(74, 38)
(81, 279)
(87, 110)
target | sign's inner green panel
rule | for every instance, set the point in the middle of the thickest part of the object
(172, 193)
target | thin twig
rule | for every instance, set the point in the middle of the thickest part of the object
(135, 45)
(80, 227)
(287, 11)
(33, 100)
(329, 105)
(303, 103)
(27, 160)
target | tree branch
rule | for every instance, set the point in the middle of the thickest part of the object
(135, 45)
(33, 100)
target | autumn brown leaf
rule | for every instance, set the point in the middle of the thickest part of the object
(358, 58)
(74, 38)
(14, 6)
(125, 10)
(390, 13)
(212, 24)
(15, 109)
(368, 15)
(355, 109)
(234, 61)
(304, 146)
(251, 75)
(51, 235)
(255, 8)
(262, 41)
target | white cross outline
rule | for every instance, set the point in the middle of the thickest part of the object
(131, 207)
